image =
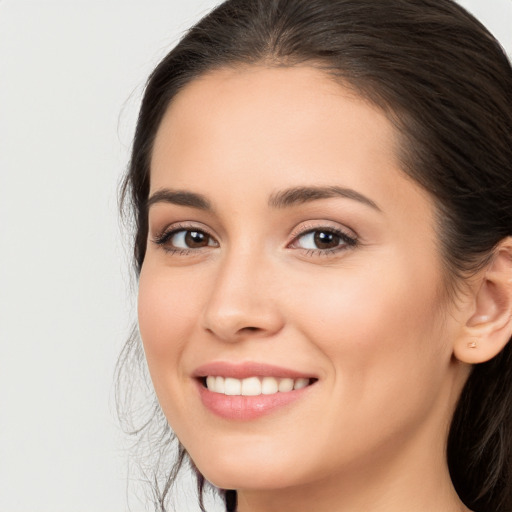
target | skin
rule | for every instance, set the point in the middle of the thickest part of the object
(370, 320)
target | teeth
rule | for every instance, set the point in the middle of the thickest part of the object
(232, 386)
(253, 386)
(285, 385)
(219, 384)
(300, 383)
(210, 382)
(269, 386)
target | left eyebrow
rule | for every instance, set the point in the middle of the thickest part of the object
(180, 198)
(301, 195)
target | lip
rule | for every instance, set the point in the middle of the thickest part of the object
(246, 408)
(248, 369)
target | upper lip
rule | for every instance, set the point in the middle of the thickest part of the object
(247, 369)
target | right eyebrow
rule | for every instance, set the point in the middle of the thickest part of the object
(301, 195)
(180, 198)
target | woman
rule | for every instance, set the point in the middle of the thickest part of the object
(323, 205)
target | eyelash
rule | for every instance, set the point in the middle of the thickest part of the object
(347, 240)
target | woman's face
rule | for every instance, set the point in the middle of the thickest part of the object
(286, 247)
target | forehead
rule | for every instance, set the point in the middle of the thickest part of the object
(251, 118)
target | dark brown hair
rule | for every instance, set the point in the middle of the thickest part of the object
(446, 84)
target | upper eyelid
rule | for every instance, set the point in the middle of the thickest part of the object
(311, 226)
(175, 227)
(349, 239)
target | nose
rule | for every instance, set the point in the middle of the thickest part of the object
(242, 302)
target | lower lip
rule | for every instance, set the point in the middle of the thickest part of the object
(248, 407)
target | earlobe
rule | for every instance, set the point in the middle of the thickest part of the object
(489, 327)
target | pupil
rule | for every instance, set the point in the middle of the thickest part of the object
(326, 240)
(196, 239)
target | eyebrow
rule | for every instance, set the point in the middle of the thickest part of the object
(301, 195)
(282, 199)
(180, 198)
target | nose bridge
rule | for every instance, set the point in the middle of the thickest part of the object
(240, 301)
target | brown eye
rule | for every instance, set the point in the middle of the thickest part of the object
(196, 239)
(187, 239)
(326, 240)
(320, 239)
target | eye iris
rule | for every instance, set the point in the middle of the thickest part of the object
(326, 240)
(195, 239)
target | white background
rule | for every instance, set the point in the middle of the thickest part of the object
(71, 75)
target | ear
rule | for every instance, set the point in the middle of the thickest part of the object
(489, 326)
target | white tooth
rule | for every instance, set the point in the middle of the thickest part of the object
(251, 386)
(232, 386)
(219, 385)
(269, 386)
(210, 383)
(285, 385)
(300, 383)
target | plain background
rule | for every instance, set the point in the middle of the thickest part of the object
(71, 76)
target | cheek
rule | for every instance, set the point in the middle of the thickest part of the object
(167, 312)
(382, 337)
(379, 329)
(365, 307)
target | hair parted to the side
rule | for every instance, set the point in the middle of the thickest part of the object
(446, 84)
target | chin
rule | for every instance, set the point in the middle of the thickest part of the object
(236, 471)
(248, 480)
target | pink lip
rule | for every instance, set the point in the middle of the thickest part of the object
(248, 369)
(247, 408)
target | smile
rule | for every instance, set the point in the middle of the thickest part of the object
(254, 386)
(247, 391)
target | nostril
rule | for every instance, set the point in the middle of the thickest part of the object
(250, 329)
